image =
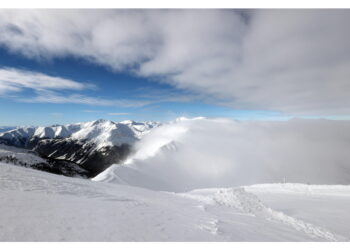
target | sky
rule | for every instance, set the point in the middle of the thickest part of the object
(66, 66)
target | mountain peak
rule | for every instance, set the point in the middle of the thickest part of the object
(127, 122)
(100, 121)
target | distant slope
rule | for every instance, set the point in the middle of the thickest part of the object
(6, 128)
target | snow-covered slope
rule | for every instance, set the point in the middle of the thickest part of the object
(38, 206)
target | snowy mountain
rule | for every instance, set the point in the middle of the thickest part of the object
(93, 145)
(101, 132)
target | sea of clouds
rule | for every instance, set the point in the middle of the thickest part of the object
(198, 153)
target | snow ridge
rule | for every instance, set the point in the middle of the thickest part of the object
(249, 203)
(300, 188)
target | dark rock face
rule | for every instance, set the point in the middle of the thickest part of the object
(16, 142)
(83, 153)
(62, 167)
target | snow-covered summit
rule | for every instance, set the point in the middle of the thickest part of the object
(101, 132)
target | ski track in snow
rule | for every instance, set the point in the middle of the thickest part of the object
(250, 204)
(211, 226)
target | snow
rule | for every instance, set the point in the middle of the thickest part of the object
(23, 132)
(39, 206)
(101, 132)
(323, 205)
(248, 202)
(107, 133)
(300, 188)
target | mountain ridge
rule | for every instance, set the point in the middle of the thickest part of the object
(94, 145)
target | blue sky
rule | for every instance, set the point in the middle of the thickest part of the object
(66, 66)
(109, 85)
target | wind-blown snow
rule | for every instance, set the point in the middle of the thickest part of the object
(199, 153)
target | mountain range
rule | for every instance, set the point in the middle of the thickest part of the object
(89, 146)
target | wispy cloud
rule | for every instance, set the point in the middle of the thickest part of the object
(47, 89)
(53, 97)
(117, 113)
(16, 80)
(91, 111)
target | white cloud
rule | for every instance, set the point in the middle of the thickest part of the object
(54, 97)
(15, 80)
(117, 113)
(202, 153)
(293, 61)
(91, 111)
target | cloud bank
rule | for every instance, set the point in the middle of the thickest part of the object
(201, 153)
(292, 61)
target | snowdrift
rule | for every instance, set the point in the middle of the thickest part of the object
(200, 153)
